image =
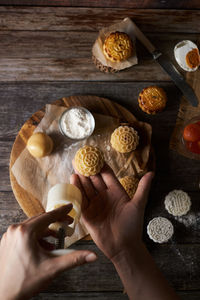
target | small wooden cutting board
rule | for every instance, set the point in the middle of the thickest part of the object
(29, 204)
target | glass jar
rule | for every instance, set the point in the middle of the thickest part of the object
(192, 148)
(77, 123)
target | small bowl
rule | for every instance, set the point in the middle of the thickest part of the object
(191, 154)
(87, 112)
(180, 53)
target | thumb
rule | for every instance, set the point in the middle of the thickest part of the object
(142, 192)
(73, 259)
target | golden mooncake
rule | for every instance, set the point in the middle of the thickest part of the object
(130, 184)
(117, 46)
(124, 139)
(89, 160)
(152, 99)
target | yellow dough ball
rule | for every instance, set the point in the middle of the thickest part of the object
(130, 184)
(124, 139)
(89, 160)
(40, 144)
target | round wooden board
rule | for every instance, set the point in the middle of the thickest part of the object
(29, 204)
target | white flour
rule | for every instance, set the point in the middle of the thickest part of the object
(77, 123)
(190, 220)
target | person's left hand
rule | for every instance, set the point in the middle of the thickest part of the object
(114, 221)
(26, 264)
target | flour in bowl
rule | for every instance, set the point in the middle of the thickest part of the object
(77, 123)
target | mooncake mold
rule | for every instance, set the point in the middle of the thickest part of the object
(177, 203)
(160, 230)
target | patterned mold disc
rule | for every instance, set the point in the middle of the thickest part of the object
(177, 203)
(160, 230)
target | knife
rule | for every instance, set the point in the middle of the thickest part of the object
(169, 68)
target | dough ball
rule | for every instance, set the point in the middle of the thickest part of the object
(124, 139)
(89, 160)
(40, 144)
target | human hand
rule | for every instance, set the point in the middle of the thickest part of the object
(113, 220)
(26, 264)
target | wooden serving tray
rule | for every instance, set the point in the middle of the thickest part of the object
(29, 204)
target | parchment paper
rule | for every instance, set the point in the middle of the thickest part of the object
(185, 114)
(125, 26)
(38, 175)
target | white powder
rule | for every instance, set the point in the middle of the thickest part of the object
(190, 220)
(108, 148)
(77, 123)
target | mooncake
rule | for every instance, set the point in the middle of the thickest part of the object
(89, 160)
(117, 46)
(124, 139)
(130, 184)
(152, 99)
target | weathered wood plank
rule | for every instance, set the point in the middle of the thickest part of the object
(40, 55)
(49, 44)
(179, 264)
(190, 295)
(19, 101)
(73, 69)
(188, 233)
(84, 295)
(93, 19)
(99, 3)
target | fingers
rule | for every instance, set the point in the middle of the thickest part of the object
(46, 245)
(88, 186)
(48, 232)
(74, 179)
(41, 222)
(71, 260)
(93, 183)
(109, 177)
(141, 195)
(98, 183)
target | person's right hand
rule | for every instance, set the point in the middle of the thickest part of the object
(113, 220)
(26, 263)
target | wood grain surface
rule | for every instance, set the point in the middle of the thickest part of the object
(31, 52)
(45, 54)
(93, 19)
(111, 3)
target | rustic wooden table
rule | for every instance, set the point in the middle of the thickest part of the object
(45, 54)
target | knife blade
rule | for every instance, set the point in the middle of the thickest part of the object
(168, 67)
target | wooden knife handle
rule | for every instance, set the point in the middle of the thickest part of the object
(142, 38)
